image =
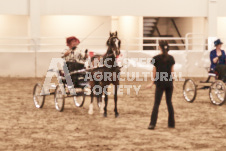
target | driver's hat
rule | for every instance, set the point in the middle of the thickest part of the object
(217, 42)
(69, 39)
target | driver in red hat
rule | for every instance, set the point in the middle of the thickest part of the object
(72, 54)
(75, 59)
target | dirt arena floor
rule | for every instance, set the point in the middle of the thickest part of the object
(200, 125)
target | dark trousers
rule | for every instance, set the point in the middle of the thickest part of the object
(158, 96)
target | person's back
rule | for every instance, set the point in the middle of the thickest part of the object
(163, 66)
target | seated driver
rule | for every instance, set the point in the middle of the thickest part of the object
(217, 56)
(73, 54)
(75, 58)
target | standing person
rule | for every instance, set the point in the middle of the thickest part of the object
(163, 67)
(217, 56)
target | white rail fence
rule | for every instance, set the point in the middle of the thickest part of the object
(31, 56)
(191, 41)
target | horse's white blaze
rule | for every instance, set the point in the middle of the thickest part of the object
(90, 109)
(116, 43)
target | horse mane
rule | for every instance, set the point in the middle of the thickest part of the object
(108, 42)
(119, 44)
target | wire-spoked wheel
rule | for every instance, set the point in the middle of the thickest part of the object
(59, 99)
(217, 93)
(189, 90)
(38, 96)
(79, 98)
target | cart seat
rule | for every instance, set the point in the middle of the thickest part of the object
(210, 75)
(221, 72)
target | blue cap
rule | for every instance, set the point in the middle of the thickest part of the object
(217, 42)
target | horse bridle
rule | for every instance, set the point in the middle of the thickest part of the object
(113, 49)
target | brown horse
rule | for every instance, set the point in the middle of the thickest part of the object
(107, 74)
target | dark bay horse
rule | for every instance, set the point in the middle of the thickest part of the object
(109, 71)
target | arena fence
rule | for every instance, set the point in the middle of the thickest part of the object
(26, 57)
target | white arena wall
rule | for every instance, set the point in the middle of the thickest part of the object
(161, 8)
(44, 24)
(22, 64)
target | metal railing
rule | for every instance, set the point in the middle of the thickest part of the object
(136, 43)
(34, 45)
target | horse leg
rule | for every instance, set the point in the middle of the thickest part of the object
(106, 104)
(115, 98)
(102, 103)
(91, 104)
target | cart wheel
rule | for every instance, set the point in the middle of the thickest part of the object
(189, 90)
(217, 93)
(38, 96)
(79, 99)
(59, 99)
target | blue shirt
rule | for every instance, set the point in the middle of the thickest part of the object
(213, 54)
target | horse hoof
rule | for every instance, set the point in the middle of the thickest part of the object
(102, 108)
(116, 115)
(90, 109)
(101, 111)
(90, 112)
(105, 114)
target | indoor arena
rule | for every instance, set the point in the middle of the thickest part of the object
(113, 75)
